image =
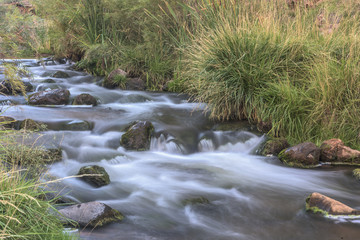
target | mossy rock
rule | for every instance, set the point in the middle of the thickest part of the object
(77, 125)
(356, 174)
(31, 125)
(304, 155)
(195, 201)
(274, 146)
(60, 74)
(97, 181)
(137, 136)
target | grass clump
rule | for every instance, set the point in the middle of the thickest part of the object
(22, 214)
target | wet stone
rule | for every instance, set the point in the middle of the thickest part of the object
(102, 179)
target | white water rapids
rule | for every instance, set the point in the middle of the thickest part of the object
(251, 197)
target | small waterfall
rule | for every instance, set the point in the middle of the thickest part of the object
(165, 144)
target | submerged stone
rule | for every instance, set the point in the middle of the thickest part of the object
(11, 89)
(138, 136)
(195, 201)
(60, 74)
(49, 80)
(318, 203)
(97, 181)
(303, 155)
(91, 214)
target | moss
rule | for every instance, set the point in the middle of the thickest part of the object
(98, 181)
(315, 210)
(113, 216)
(356, 174)
(274, 146)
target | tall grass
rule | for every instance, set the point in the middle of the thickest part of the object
(271, 63)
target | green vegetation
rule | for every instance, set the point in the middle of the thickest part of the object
(295, 66)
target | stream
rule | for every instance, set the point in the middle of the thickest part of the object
(251, 197)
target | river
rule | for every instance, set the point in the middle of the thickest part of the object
(251, 196)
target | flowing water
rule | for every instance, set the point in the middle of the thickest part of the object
(251, 197)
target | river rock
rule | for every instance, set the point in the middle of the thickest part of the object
(77, 125)
(8, 89)
(302, 155)
(96, 181)
(60, 74)
(318, 203)
(110, 81)
(138, 136)
(29, 124)
(91, 214)
(50, 97)
(274, 146)
(356, 173)
(7, 122)
(85, 99)
(334, 150)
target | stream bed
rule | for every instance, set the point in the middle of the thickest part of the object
(251, 197)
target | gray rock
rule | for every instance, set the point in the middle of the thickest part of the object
(135, 84)
(49, 80)
(50, 97)
(111, 80)
(85, 99)
(91, 214)
(77, 125)
(303, 155)
(97, 181)
(138, 136)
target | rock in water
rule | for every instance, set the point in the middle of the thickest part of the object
(110, 81)
(60, 74)
(318, 203)
(85, 99)
(302, 155)
(334, 150)
(91, 214)
(96, 181)
(138, 136)
(7, 122)
(9, 89)
(31, 125)
(50, 97)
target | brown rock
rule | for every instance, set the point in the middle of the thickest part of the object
(334, 150)
(51, 97)
(111, 80)
(7, 122)
(301, 155)
(319, 203)
(135, 84)
(274, 146)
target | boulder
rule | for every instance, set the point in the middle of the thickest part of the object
(303, 155)
(50, 97)
(356, 174)
(97, 181)
(85, 99)
(91, 214)
(60, 74)
(7, 122)
(138, 136)
(29, 124)
(112, 80)
(335, 151)
(9, 89)
(318, 203)
(274, 146)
